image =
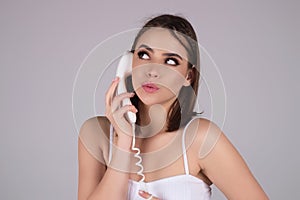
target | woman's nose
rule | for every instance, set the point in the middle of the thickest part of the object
(152, 73)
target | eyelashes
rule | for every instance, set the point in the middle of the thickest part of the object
(143, 55)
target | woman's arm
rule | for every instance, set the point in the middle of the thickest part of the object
(95, 181)
(226, 168)
(91, 172)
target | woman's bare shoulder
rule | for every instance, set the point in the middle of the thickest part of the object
(206, 126)
(94, 135)
(205, 135)
(221, 162)
(203, 125)
(97, 124)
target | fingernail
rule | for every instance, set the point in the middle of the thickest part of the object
(135, 110)
(141, 192)
(116, 78)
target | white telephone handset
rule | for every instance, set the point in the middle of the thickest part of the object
(123, 70)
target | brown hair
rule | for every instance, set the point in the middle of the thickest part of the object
(181, 110)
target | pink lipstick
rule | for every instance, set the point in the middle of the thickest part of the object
(150, 87)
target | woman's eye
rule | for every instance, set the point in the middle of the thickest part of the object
(143, 55)
(172, 61)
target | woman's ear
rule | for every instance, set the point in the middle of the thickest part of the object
(188, 78)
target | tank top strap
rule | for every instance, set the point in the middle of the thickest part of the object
(185, 160)
(111, 131)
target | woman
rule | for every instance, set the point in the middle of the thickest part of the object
(182, 154)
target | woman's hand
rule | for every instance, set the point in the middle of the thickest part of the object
(116, 115)
(146, 195)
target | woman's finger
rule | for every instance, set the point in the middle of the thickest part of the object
(116, 101)
(110, 92)
(120, 120)
(147, 195)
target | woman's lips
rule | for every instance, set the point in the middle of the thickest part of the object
(150, 87)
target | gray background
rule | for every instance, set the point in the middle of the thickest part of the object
(254, 43)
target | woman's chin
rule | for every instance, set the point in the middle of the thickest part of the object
(154, 97)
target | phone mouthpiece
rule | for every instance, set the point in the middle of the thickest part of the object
(131, 116)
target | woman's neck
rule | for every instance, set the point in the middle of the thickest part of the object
(153, 119)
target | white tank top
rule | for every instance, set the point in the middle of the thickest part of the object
(179, 187)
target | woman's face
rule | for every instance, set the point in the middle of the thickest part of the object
(159, 67)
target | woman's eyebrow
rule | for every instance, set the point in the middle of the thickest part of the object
(165, 54)
(172, 54)
(146, 47)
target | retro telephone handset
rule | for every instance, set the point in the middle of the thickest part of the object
(123, 70)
